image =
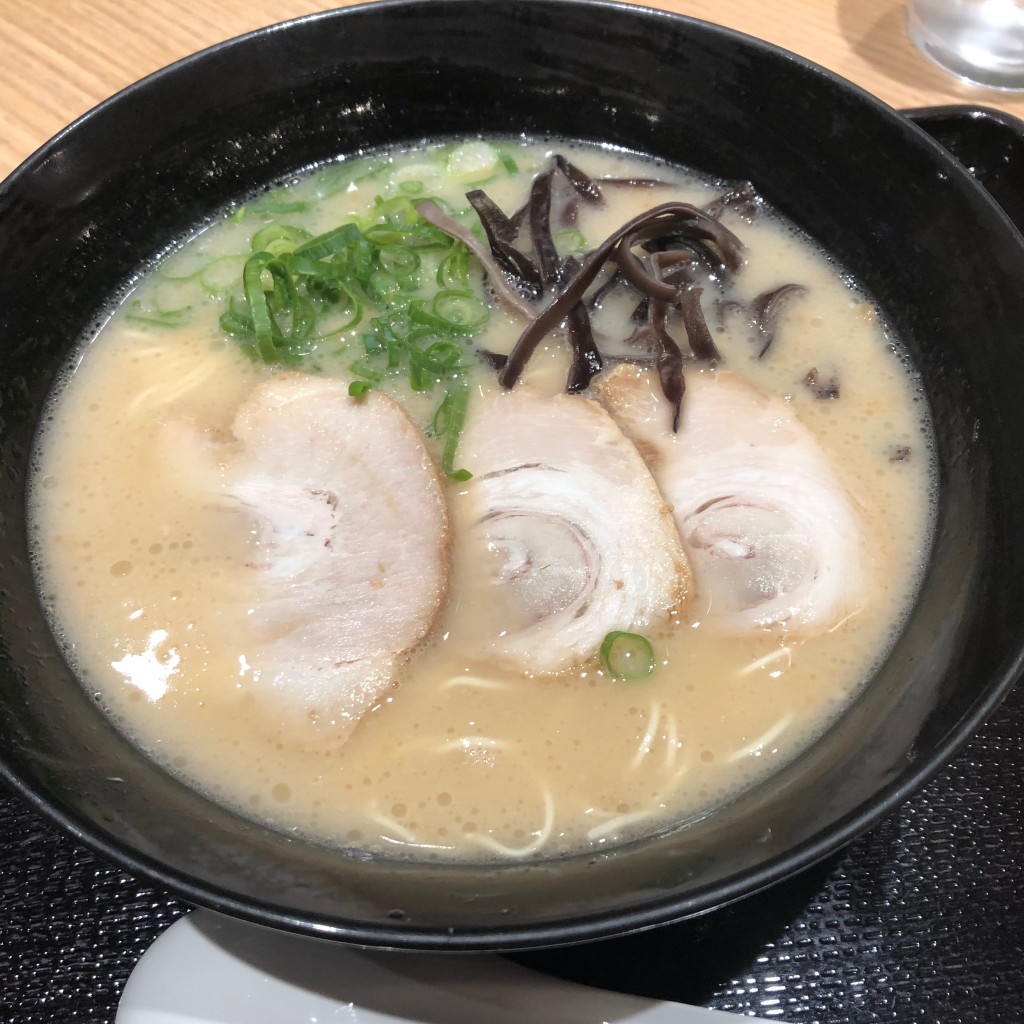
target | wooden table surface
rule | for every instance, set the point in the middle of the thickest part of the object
(58, 58)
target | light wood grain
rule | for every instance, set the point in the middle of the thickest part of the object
(59, 58)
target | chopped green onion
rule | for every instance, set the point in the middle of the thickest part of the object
(440, 359)
(444, 355)
(330, 242)
(391, 342)
(415, 179)
(453, 270)
(256, 296)
(355, 314)
(455, 403)
(571, 241)
(298, 291)
(373, 345)
(422, 236)
(384, 286)
(156, 317)
(462, 311)
(508, 163)
(419, 314)
(273, 203)
(358, 388)
(627, 655)
(360, 369)
(419, 377)
(387, 235)
(341, 176)
(473, 161)
(234, 320)
(399, 261)
(279, 238)
(221, 275)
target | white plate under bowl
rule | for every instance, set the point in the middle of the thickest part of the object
(209, 969)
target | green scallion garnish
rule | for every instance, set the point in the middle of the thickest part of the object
(393, 283)
(447, 422)
(279, 238)
(460, 310)
(627, 655)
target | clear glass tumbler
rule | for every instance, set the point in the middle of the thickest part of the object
(981, 41)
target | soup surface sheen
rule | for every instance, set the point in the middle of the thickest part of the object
(151, 582)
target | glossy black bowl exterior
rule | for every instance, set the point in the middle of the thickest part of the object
(80, 217)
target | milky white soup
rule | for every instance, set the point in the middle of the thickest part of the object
(159, 590)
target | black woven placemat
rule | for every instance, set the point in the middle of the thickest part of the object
(920, 920)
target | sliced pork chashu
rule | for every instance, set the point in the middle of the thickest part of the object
(352, 540)
(565, 529)
(771, 532)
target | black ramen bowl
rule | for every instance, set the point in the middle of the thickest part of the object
(81, 217)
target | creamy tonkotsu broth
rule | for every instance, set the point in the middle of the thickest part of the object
(160, 461)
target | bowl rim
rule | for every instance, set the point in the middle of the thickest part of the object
(640, 915)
